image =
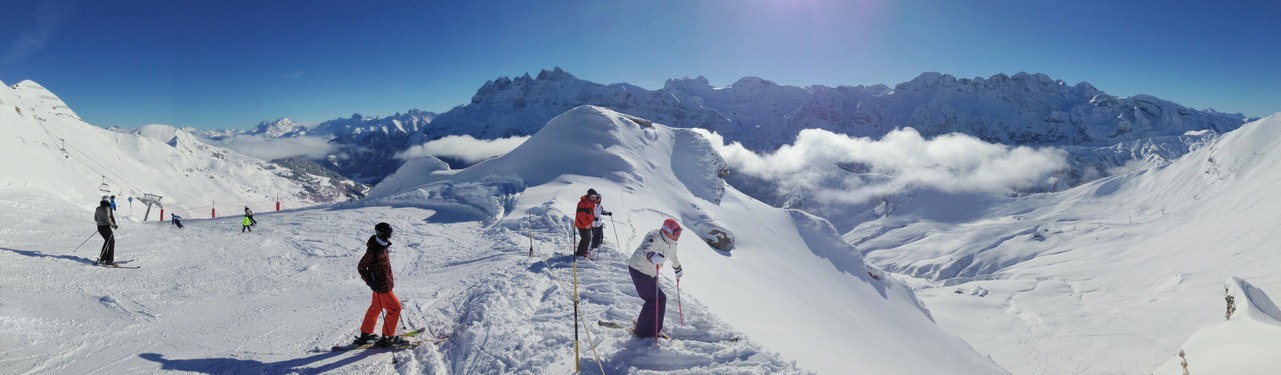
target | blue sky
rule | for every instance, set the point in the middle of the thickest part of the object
(232, 64)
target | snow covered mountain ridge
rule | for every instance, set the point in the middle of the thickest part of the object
(83, 162)
(358, 147)
(1101, 132)
(1023, 109)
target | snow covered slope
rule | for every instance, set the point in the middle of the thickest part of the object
(789, 283)
(54, 157)
(1108, 277)
(1245, 344)
(479, 258)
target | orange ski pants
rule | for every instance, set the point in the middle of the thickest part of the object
(382, 301)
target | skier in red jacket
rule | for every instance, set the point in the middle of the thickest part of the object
(375, 269)
(583, 219)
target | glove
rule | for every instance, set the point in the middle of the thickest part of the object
(115, 226)
(656, 258)
(679, 272)
(607, 213)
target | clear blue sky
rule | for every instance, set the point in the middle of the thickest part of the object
(232, 64)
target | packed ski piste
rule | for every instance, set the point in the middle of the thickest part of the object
(513, 265)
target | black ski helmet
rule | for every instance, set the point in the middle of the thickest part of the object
(383, 230)
(591, 192)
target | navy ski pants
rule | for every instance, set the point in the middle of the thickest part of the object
(584, 239)
(108, 254)
(647, 287)
(598, 236)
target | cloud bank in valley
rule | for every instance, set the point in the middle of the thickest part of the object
(278, 148)
(902, 158)
(462, 147)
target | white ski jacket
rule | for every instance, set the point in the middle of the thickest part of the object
(654, 242)
(599, 213)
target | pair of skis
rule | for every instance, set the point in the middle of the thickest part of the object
(117, 265)
(631, 328)
(407, 335)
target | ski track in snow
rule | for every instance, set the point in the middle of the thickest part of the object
(209, 299)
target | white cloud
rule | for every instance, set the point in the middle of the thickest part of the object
(465, 148)
(271, 149)
(952, 162)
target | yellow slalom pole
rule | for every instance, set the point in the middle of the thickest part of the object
(577, 365)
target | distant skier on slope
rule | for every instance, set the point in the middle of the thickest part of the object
(177, 220)
(106, 222)
(249, 214)
(598, 224)
(583, 219)
(657, 247)
(375, 270)
(246, 222)
(113, 204)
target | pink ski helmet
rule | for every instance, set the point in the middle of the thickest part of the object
(671, 229)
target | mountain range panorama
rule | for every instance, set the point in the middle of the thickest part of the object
(1101, 132)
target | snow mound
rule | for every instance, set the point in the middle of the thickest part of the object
(1244, 344)
(163, 133)
(415, 172)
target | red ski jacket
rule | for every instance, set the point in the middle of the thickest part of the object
(586, 213)
(375, 266)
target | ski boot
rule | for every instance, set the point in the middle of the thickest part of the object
(392, 342)
(365, 338)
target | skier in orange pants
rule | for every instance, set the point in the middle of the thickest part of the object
(375, 269)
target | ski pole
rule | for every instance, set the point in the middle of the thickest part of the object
(577, 362)
(531, 236)
(85, 241)
(110, 243)
(679, 309)
(615, 224)
(656, 304)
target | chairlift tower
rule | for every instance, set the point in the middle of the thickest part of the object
(150, 199)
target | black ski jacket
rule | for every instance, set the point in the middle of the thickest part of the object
(375, 267)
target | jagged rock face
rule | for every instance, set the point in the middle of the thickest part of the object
(368, 156)
(1023, 109)
(508, 107)
(366, 146)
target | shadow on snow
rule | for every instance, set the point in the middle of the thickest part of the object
(37, 254)
(240, 366)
